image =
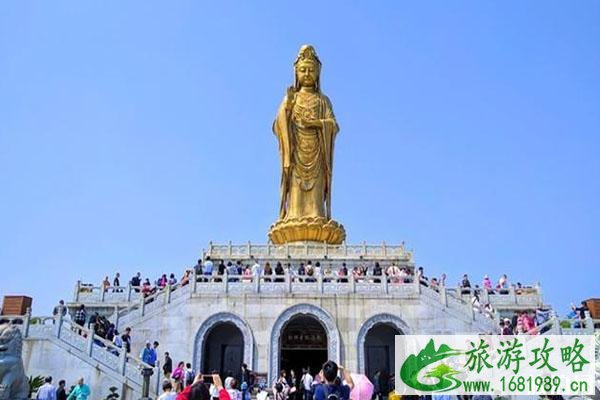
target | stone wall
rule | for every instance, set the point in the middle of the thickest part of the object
(46, 358)
(176, 326)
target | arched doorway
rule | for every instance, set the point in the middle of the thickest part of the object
(376, 344)
(223, 350)
(217, 337)
(303, 344)
(379, 349)
(302, 310)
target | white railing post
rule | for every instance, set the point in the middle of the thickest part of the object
(352, 284)
(417, 282)
(122, 360)
(27, 322)
(77, 287)
(288, 281)
(226, 281)
(102, 293)
(194, 280)
(384, 281)
(143, 305)
(168, 294)
(320, 283)
(512, 294)
(538, 288)
(90, 342)
(471, 310)
(158, 380)
(129, 289)
(443, 295)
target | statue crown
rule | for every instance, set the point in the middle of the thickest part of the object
(308, 53)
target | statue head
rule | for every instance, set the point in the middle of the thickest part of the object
(307, 69)
(10, 340)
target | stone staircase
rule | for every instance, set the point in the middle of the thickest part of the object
(91, 350)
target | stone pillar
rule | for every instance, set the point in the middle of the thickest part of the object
(77, 286)
(27, 323)
(168, 294)
(194, 280)
(288, 281)
(90, 342)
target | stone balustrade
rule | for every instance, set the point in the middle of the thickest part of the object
(309, 250)
(82, 342)
(128, 297)
(282, 285)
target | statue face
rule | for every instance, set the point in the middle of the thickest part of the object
(307, 74)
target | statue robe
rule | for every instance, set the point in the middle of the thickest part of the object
(302, 196)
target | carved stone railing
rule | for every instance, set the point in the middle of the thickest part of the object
(512, 298)
(89, 293)
(308, 250)
(281, 285)
(83, 343)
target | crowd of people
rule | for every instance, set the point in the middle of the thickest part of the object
(526, 322)
(80, 391)
(333, 382)
(238, 271)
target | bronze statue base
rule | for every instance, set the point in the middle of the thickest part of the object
(313, 229)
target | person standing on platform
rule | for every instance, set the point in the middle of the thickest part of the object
(80, 392)
(208, 267)
(126, 338)
(61, 392)
(47, 391)
(167, 366)
(307, 384)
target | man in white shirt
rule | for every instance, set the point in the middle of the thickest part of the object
(168, 393)
(307, 381)
(256, 269)
(47, 391)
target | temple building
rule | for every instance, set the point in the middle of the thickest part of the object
(318, 304)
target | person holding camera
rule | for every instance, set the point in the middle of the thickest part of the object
(332, 387)
(198, 390)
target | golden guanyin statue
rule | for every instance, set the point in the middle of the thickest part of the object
(306, 128)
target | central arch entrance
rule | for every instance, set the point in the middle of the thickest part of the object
(326, 327)
(303, 344)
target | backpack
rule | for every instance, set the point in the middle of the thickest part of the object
(189, 377)
(332, 392)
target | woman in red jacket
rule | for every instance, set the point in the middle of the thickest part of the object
(199, 391)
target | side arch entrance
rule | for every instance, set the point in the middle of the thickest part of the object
(376, 347)
(223, 342)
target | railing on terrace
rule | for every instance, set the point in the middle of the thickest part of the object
(308, 250)
(84, 343)
(129, 297)
(88, 293)
(522, 297)
(281, 284)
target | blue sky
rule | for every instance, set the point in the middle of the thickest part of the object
(132, 133)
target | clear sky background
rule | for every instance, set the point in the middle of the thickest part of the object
(132, 133)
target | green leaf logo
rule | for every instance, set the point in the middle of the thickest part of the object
(444, 374)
